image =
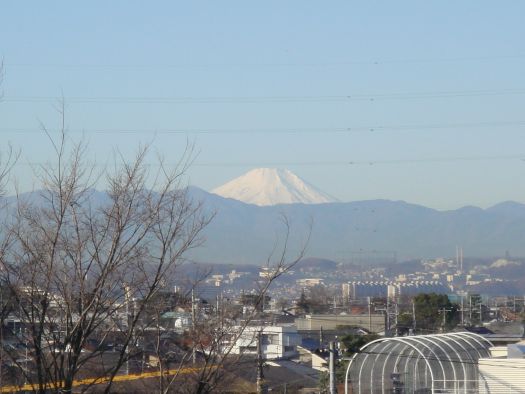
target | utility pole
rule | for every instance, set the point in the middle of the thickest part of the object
(480, 314)
(193, 324)
(369, 314)
(217, 305)
(221, 311)
(414, 315)
(127, 298)
(331, 365)
(387, 330)
(470, 309)
(25, 360)
(396, 316)
(261, 385)
(462, 311)
(444, 311)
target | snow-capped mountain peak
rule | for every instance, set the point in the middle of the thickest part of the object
(272, 186)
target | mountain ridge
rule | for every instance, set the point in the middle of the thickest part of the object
(244, 233)
(374, 227)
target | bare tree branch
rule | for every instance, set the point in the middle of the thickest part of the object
(83, 272)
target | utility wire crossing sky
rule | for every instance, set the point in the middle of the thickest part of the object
(415, 101)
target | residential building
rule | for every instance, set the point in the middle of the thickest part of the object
(276, 342)
(374, 322)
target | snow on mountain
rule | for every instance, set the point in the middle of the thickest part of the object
(272, 186)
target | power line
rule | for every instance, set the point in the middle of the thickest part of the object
(292, 130)
(372, 61)
(520, 157)
(372, 162)
(262, 99)
(341, 162)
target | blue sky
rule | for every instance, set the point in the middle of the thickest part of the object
(419, 101)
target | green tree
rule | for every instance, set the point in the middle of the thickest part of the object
(405, 321)
(353, 342)
(432, 310)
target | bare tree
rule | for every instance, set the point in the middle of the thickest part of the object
(10, 157)
(81, 275)
(214, 335)
(82, 272)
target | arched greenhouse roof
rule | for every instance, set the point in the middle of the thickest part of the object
(441, 363)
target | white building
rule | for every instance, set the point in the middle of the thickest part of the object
(179, 321)
(393, 291)
(309, 282)
(276, 341)
(504, 372)
(269, 272)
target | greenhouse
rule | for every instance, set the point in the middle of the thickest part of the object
(441, 363)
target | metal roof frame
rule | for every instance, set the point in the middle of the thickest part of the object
(450, 361)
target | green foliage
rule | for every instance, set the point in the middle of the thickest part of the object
(353, 342)
(323, 382)
(405, 322)
(429, 313)
(340, 373)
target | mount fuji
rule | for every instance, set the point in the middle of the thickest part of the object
(272, 186)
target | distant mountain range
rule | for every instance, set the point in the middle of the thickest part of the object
(366, 230)
(358, 231)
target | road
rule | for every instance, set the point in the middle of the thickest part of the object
(102, 380)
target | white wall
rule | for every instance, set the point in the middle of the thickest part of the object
(277, 341)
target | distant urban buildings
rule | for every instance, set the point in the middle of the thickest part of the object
(357, 289)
